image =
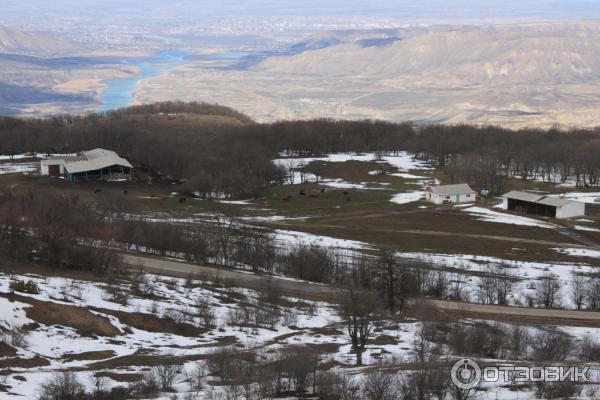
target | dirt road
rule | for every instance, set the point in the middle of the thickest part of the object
(162, 266)
(316, 291)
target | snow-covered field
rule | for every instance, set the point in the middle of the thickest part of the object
(403, 162)
(526, 272)
(169, 298)
(18, 168)
(299, 325)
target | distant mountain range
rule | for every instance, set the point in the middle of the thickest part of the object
(530, 74)
(545, 53)
(36, 44)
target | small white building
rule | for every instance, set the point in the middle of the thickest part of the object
(461, 193)
(542, 205)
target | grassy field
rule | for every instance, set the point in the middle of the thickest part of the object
(359, 214)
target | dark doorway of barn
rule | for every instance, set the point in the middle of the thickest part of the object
(54, 170)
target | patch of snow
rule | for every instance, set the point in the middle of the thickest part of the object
(18, 168)
(408, 176)
(584, 197)
(272, 218)
(579, 252)
(487, 215)
(405, 198)
(586, 228)
(238, 202)
(296, 238)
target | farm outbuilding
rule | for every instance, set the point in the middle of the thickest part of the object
(461, 193)
(97, 164)
(543, 205)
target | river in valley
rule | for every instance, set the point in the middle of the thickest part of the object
(118, 93)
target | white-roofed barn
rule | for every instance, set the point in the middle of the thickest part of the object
(97, 164)
(543, 205)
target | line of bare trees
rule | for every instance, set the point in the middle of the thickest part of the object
(234, 159)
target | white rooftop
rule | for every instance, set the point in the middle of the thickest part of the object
(92, 160)
(449, 190)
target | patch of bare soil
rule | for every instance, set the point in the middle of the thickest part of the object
(383, 340)
(78, 318)
(148, 358)
(152, 323)
(89, 356)
(324, 347)
(7, 350)
(17, 362)
(123, 378)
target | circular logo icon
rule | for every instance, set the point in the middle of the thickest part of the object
(466, 374)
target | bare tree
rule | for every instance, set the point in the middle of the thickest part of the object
(547, 290)
(578, 289)
(381, 386)
(593, 293)
(337, 387)
(359, 309)
(62, 386)
(166, 374)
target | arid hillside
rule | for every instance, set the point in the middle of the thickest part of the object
(20, 42)
(511, 75)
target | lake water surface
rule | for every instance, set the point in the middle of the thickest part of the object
(119, 92)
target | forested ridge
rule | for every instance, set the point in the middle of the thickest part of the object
(234, 158)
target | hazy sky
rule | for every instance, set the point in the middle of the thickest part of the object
(15, 12)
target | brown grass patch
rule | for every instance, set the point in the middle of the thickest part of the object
(78, 318)
(326, 331)
(89, 356)
(324, 347)
(149, 359)
(152, 323)
(17, 362)
(383, 340)
(123, 378)
(7, 350)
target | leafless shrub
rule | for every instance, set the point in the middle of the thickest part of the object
(205, 312)
(338, 387)
(99, 383)
(423, 384)
(165, 375)
(588, 349)
(593, 293)
(547, 291)
(381, 386)
(148, 386)
(196, 375)
(62, 386)
(558, 390)
(551, 345)
(15, 336)
(495, 286)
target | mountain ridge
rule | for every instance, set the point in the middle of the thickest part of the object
(33, 44)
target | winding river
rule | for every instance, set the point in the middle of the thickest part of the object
(119, 92)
